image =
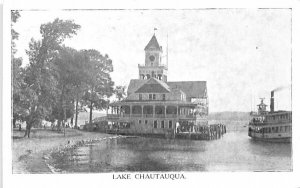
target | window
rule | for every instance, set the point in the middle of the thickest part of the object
(140, 97)
(140, 121)
(170, 124)
(162, 124)
(146, 121)
(150, 96)
(164, 97)
(154, 96)
(155, 124)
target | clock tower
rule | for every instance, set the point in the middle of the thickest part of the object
(153, 67)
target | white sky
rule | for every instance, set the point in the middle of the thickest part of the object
(242, 53)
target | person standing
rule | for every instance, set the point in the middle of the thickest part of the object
(177, 127)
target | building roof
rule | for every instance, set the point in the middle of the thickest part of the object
(134, 85)
(153, 43)
(192, 89)
(153, 85)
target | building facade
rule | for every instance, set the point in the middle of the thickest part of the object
(155, 105)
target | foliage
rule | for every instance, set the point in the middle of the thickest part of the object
(59, 80)
(120, 92)
(41, 75)
(14, 35)
(99, 82)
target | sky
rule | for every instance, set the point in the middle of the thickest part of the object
(243, 54)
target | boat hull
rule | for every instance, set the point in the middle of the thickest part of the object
(278, 140)
(271, 137)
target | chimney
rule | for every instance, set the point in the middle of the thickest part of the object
(272, 102)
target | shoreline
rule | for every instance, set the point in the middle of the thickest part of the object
(29, 156)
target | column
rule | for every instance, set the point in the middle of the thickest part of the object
(153, 110)
(130, 110)
(142, 110)
(165, 111)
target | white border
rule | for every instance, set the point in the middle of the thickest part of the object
(207, 179)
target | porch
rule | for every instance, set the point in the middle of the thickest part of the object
(152, 110)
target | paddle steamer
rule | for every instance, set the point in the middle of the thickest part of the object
(274, 126)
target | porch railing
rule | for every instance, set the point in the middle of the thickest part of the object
(151, 115)
(136, 115)
(113, 115)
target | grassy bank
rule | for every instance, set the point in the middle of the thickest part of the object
(28, 153)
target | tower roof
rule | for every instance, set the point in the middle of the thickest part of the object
(153, 44)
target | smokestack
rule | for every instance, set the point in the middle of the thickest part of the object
(272, 101)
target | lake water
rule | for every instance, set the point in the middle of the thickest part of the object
(235, 151)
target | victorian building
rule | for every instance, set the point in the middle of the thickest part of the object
(155, 105)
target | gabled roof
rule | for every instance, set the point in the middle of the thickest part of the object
(134, 85)
(153, 44)
(192, 89)
(153, 85)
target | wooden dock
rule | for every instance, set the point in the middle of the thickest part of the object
(210, 132)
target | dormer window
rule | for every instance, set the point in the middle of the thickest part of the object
(150, 96)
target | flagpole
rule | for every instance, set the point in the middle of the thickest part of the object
(167, 50)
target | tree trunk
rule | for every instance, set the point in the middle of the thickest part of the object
(76, 111)
(58, 125)
(14, 123)
(27, 131)
(64, 124)
(91, 112)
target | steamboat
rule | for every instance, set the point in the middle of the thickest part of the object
(273, 126)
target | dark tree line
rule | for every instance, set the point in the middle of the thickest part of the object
(58, 79)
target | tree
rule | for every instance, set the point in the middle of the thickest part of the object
(19, 111)
(71, 76)
(41, 73)
(100, 85)
(120, 92)
(79, 81)
(14, 18)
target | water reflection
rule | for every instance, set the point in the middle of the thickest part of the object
(233, 152)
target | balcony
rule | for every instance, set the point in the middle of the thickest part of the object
(113, 116)
(159, 116)
(180, 116)
(171, 115)
(136, 115)
(148, 115)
